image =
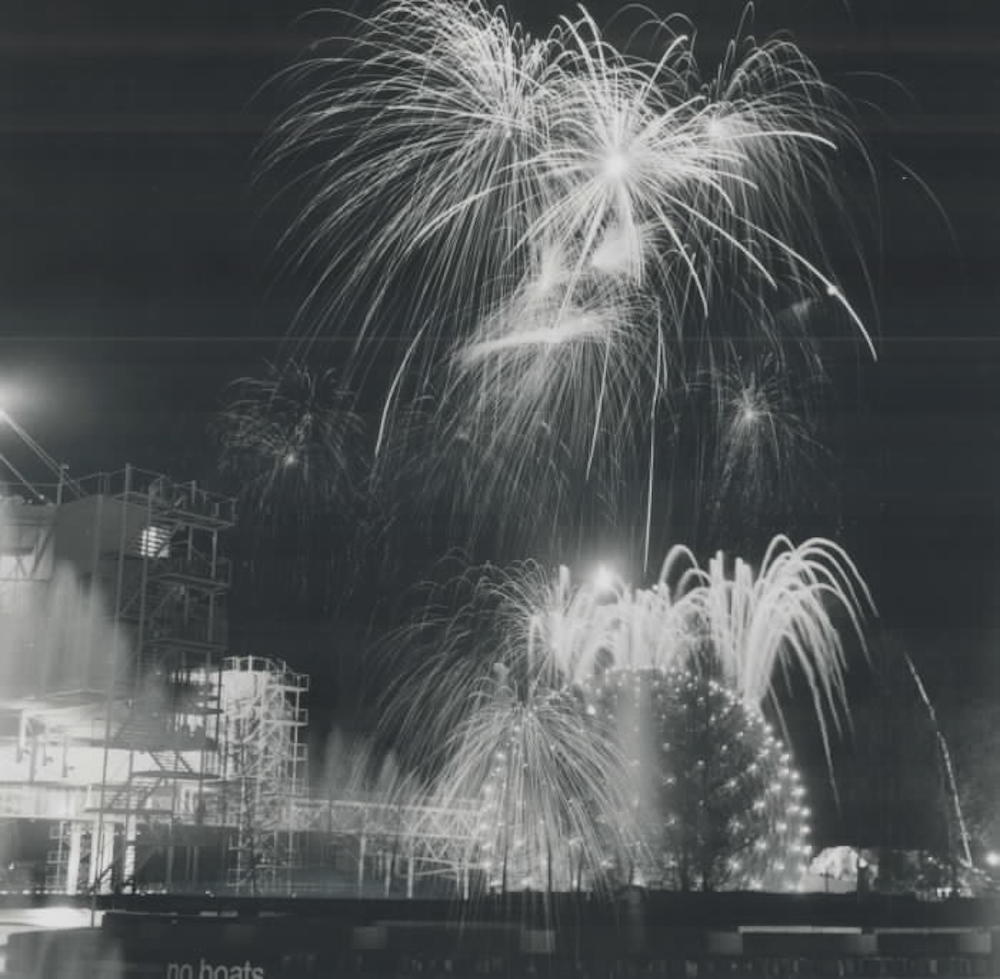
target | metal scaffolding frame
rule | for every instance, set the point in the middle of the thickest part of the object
(170, 583)
(264, 761)
(391, 841)
(151, 546)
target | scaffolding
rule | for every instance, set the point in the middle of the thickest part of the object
(264, 760)
(399, 841)
(170, 582)
(133, 684)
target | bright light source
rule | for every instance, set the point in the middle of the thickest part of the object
(604, 578)
(155, 542)
(993, 859)
(716, 128)
(12, 395)
(615, 165)
(60, 917)
(291, 458)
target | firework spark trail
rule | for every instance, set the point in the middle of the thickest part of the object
(783, 615)
(945, 757)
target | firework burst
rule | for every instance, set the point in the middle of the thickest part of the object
(518, 695)
(540, 769)
(519, 618)
(561, 218)
(293, 439)
(763, 437)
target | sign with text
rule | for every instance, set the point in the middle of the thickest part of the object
(204, 969)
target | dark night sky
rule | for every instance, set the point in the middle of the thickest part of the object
(137, 268)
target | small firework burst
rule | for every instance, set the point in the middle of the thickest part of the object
(764, 442)
(294, 441)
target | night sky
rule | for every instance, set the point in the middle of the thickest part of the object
(138, 270)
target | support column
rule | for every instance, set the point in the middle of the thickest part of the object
(95, 856)
(462, 879)
(409, 873)
(102, 854)
(73, 857)
(195, 860)
(131, 836)
(361, 864)
(168, 872)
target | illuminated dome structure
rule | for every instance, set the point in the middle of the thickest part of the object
(716, 802)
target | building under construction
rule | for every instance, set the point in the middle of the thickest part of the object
(138, 753)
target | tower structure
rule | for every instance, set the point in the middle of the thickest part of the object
(264, 759)
(112, 595)
(169, 580)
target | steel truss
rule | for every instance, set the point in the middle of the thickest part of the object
(264, 762)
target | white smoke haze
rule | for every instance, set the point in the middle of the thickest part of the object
(57, 631)
(355, 769)
(58, 639)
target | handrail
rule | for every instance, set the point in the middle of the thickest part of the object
(170, 494)
(195, 565)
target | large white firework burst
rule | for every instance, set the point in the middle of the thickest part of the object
(547, 223)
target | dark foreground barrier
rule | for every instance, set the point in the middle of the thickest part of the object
(638, 935)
